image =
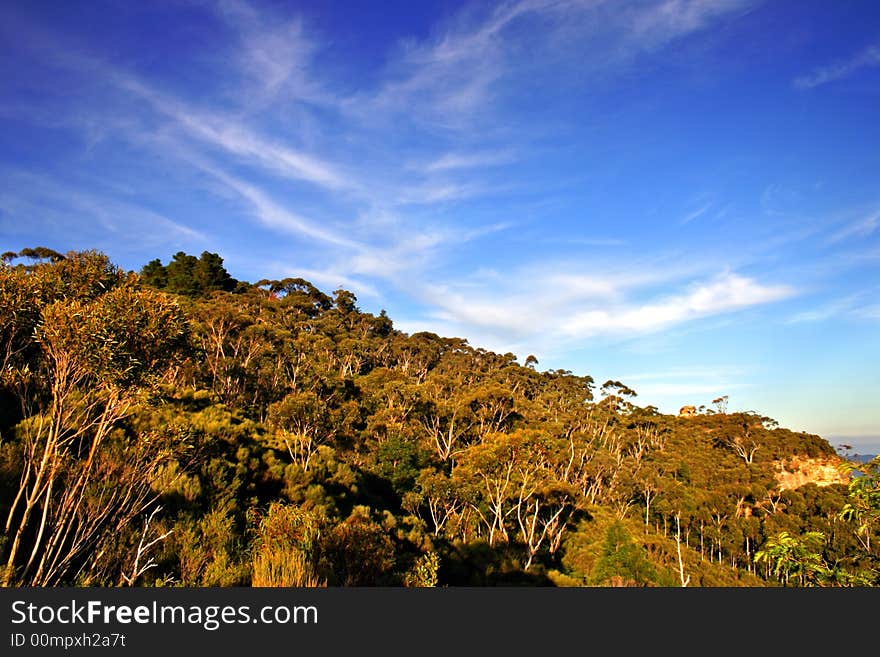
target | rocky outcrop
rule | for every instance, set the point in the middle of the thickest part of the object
(797, 471)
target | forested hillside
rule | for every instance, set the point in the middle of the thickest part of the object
(176, 427)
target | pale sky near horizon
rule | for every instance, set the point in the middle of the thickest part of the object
(678, 194)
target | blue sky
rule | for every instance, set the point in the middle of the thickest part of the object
(682, 195)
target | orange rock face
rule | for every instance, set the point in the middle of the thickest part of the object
(800, 470)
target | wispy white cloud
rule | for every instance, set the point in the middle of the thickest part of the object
(725, 293)
(455, 75)
(861, 228)
(276, 216)
(234, 137)
(868, 57)
(439, 80)
(868, 312)
(438, 192)
(655, 24)
(473, 160)
(402, 257)
(214, 128)
(555, 308)
(275, 53)
(264, 208)
(59, 207)
(200, 138)
(833, 310)
(406, 253)
(329, 280)
(386, 249)
(699, 212)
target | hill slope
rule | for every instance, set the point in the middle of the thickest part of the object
(272, 434)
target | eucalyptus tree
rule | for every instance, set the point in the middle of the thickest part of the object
(96, 354)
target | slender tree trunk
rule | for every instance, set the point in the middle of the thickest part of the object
(684, 580)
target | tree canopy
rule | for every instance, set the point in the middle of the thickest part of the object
(189, 276)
